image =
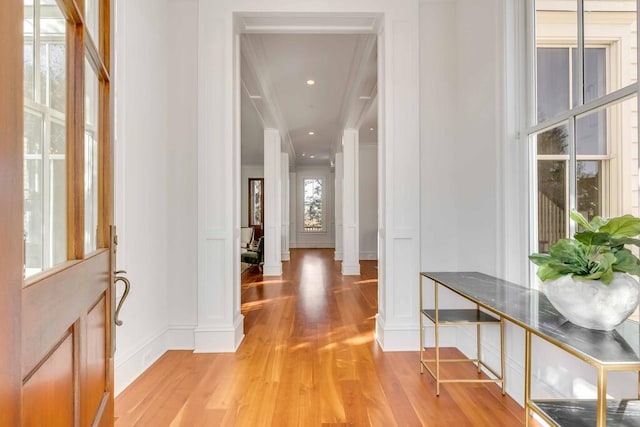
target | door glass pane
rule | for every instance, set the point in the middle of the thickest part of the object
(556, 29)
(45, 171)
(611, 25)
(91, 160)
(92, 15)
(33, 193)
(58, 191)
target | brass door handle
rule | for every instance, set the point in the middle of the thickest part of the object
(127, 286)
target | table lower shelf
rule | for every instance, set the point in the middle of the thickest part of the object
(460, 316)
(582, 413)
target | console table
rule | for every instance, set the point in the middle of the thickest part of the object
(616, 350)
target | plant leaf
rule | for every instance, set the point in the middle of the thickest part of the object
(621, 241)
(567, 250)
(581, 220)
(623, 226)
(626, 262)
(597, 222)
(592, 238)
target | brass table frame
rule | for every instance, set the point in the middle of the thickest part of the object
(435, 319)
(530, 405)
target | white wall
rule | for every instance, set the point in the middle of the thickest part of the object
(141, 196)
(368, 188)
(182, 171)
(473, 179)
(246, 172)
(324, 239)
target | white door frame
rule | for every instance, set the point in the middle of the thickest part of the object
(220, 323)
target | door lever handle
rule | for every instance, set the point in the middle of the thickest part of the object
(119, 278)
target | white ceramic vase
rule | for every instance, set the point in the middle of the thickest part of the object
(592, 304)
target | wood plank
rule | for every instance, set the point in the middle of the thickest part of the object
(55, 302)
(48, 393)
(308, 358)
(11, 201)
(95, 362)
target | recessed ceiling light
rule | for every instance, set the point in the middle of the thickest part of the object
(311, 82)
(312, 133)
(312, 156)
(303, 154)
(370, 128)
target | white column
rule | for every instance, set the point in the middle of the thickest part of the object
(293, 210)
(219, 320)
(338, 205)
(284, 167)
(350, 204)
(272, 203)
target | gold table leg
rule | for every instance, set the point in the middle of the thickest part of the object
(527, 378)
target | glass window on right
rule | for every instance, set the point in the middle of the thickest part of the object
(583, 121)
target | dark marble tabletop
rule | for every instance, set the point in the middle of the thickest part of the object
(532, 310)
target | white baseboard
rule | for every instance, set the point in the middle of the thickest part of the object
(285, 256)
(397, 337)
(130, 365)
(338, 256)
(272, 270)
(350, 270)
(312, 245)
(181, 337)
(368, 255)
(217, 339)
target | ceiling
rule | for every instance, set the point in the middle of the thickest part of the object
(275, 69)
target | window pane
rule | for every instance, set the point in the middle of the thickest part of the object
(256, 202)
(611, 25)
(589, 188)
(90, 160)
(553, 82)
(552, 213)
(45, 171)
(591, 134)
(556, 23)
(553, 141)
(313, 215)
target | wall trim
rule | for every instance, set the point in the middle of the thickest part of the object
(312, 245)
(369, 255)
(397, 338)
(181, 337)
(130, 365)
(219, 340)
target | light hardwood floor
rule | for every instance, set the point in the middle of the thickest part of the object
(308, 359)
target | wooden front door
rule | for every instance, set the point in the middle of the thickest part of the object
(56, 243)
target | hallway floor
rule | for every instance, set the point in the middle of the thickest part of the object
(308, 358)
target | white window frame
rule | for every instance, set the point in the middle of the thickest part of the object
(567, 117)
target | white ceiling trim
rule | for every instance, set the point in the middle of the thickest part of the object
(308, 23)
(255, 61)
(353, 107)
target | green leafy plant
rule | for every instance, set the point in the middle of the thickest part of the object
(594, 253)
